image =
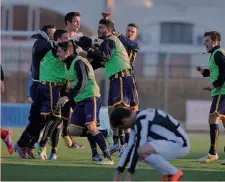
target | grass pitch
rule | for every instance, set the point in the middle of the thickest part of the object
(76, 165)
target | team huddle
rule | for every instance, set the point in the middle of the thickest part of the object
(67, 101)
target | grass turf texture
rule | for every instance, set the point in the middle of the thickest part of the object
(76, 165)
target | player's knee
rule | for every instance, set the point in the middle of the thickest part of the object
(213, 119)
(145, 150)
(74, 130)
(92, 128)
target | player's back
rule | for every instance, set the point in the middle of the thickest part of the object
(161, 126)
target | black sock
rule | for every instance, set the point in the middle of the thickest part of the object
(55, 139)
(115, 139)
(214, 135)
(127, 137)
(92, 142)
(49, 129)
(65, 130)
(99, 138)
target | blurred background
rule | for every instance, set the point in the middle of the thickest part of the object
(170, 34)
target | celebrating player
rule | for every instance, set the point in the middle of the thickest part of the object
(25, 145)
(85, 92)
(155, 137)
(117, 65)
(72, 22)
(52, 79)
(217, 76)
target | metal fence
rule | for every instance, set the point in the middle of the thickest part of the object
(167, 84)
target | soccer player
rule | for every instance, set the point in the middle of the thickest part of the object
(5, 134)
(155, 137)
(217, 77)
(132, 47)
(85, 92)
(44, 43)
(86, 44)
(122, 91)
(72, 22)
(52, 80)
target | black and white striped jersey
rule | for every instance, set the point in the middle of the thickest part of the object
(151, 124)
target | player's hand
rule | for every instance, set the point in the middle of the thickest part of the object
(117, 176)
(199, 69)
(83, 54)
(117, 34)
(208, 88)
(105, 15)
(79, 50)
(129, 177)
(62, 101)
(2, 87)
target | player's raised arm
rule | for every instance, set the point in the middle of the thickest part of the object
(130, 44)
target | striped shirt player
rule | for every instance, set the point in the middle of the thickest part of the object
(155, 137)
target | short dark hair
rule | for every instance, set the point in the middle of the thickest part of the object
(118, 114)
(85, 42)
(214, 35)
(132, 25)
(108, 23)
(46, 27)
(69, 16)
(58, 33)
(67, 45)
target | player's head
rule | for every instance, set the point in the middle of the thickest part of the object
(49, 30)
(122, 118)
(211, 40)
(85, 43)
(105, 28)
(132, 31)
(65, 50)
(72, 21)
(61, 35)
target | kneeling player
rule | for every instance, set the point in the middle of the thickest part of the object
(155, 138)
(85, 92)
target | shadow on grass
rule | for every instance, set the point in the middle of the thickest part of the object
(22, 172)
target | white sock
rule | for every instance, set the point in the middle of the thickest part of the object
(159, 163)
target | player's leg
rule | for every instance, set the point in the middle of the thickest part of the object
(31, 149)
(7, 139)
(65, 119)
(217, 109)
(55, 142)
(156, 154)
(33, 128)
(92, 109)
(223, 121)
(49, 106)
(115, 98)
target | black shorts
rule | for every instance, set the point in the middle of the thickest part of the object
(218, 105)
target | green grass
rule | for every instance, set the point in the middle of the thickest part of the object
(76, 165)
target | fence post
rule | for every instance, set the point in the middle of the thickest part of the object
(165, 81)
